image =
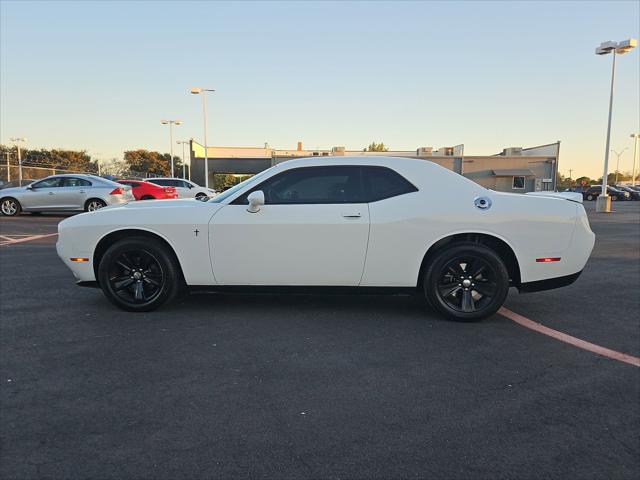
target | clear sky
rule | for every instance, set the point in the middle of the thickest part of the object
(101, 75)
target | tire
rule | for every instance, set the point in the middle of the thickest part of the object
(452, 274)
(589, 197)
(139, 274)
(94, 204)
(148, 197)
(202, 197)
(10, 207)
(614, 198)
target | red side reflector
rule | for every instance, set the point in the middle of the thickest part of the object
(548, 259)
(79, 259)
(116, 191)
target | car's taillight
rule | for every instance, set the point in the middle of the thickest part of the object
(169, 190)
(116, 191)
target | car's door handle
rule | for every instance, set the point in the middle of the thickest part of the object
(51, 193)
(351, 215)
(81, 191)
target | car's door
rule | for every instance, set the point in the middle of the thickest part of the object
(184, 189)
(43, 194)
(312, 230)
(73, 193)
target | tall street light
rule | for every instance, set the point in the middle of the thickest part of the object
(183, 143)
(203, 92)
(603, 203)
(618, 162)
(635, 137)
(17, 141)
(171, 123)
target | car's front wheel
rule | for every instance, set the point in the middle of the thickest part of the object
(139, 274)
(589, 197)
(466, 281)
(10, 207)
(614, 198)
(202, 197)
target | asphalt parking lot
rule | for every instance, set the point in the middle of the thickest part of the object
(266, 386)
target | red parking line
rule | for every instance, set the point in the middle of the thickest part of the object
(563, 337)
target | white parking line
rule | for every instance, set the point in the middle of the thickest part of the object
(563, 337)
(11, 240)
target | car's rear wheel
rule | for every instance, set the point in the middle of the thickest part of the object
(589, 197)
(147, 197)
(466, 282)
(201, 196)
(94, 204)
(614, 198)
(10, 207)
(139, 274)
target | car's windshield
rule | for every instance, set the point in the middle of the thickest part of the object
(227, 193)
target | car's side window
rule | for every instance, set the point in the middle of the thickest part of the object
(164, 183)
(312, 185)
(383, 182)
(183, 184)
(48, 183)
(76, 182)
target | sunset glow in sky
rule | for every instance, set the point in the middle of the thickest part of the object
(101, 75)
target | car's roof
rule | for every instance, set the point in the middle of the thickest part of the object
(166, 178)
(378, 160)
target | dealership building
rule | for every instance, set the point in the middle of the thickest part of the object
(515, 169)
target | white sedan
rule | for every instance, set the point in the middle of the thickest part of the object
(184, 188)
(367, 223)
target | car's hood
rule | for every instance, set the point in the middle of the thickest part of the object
(11, 190)
(177, 203)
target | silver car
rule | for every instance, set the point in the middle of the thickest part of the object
(62, 193)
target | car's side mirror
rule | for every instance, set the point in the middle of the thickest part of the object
(190, 186)
(256, 200)
(29, 187)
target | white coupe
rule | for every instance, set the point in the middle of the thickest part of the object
(370, 223)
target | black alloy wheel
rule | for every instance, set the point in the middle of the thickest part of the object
(139, 274)
(466, 282)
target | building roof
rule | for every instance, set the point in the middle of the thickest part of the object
(523, 172)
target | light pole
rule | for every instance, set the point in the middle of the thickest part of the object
(203, 92)
(171, 123)
(618, 162)
(183, 142)
(635, 137)
(17, 141)
(603, 202)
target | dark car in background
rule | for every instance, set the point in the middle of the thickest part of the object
(633, 192)
(594, 192)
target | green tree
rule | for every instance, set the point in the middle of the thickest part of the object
(76, 160)
(155, 163)
(376, 147)
(579, 180)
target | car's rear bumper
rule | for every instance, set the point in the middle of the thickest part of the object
(549, 283)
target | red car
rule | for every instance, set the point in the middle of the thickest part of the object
(149, 191)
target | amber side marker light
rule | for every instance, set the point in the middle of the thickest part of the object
(548, 259)
(79, 259)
